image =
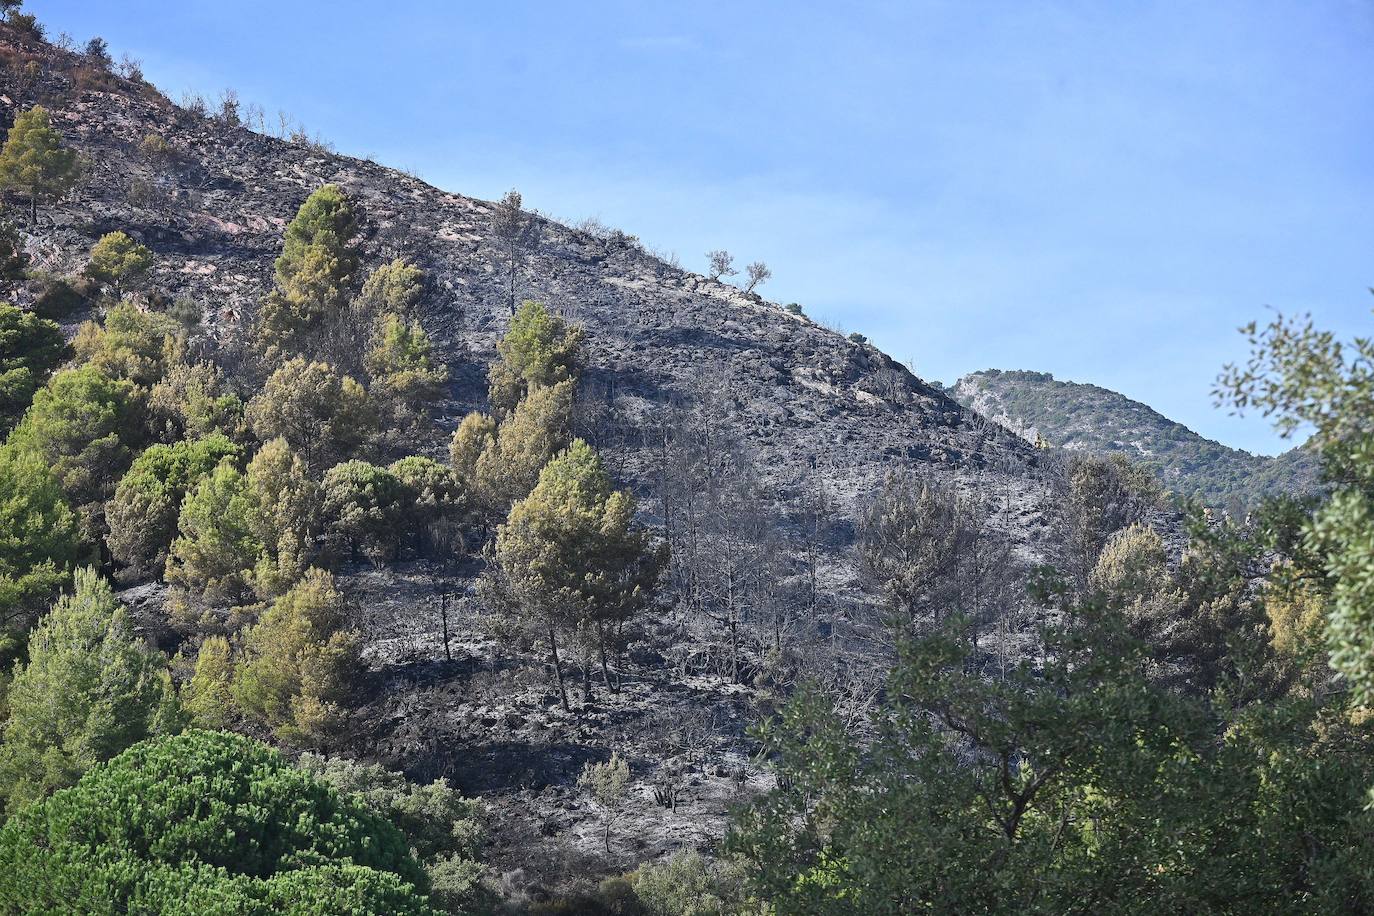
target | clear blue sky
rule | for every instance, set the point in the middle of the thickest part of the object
(1102, 190)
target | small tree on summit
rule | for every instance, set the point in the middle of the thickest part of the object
(98, 53)
(722, 264)
(758, 274)
(33, 161)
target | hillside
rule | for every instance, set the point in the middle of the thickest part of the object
(1087, 418)
(796, 415)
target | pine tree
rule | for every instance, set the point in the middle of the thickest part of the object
(539, 350)
(395, 288)
(89, 690)
(315, 272)
(34, 162)
(299, 662)
(84, 425)
(191, 401)
(142, 515)
(435, 502)
(40, 541)
(474, 435)
(572, 557)
(30, 348)
(516, 234)
(401, 367)
(117, 260)
(532, 434)
(215, 551)
(207, 822)
(207, 697)
(284, 515)
(325, 416)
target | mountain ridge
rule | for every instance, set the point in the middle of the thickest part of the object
(1084, 417)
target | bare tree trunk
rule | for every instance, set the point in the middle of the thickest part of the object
(601, 648)
(443, 613)
(558, 669)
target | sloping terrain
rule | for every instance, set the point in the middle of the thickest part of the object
(1087, 418)
(805, 407)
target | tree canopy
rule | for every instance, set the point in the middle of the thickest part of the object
(33, 160)
(206, 822)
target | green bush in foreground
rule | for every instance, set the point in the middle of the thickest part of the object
(205, 823)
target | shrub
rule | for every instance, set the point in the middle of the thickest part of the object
(27, 24)
(688, 885)
(206, 822)
(130, 344)
(117, 261)
(59, 298)
(364, 510)
(435, 501)
(191, 401)
(436, 821)
(155, 147)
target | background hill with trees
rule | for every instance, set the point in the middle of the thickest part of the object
(1096, 421)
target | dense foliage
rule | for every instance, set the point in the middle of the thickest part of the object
(205, 822)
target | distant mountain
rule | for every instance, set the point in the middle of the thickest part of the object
(1087, 418)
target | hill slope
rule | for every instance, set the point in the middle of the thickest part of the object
(1087, 418)
(797, 408)
(213, 213)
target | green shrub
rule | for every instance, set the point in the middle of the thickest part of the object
(364, 510)
(39, 540)
(205, 822)
(300, 664)
(142, 515)
(215, 551)
(82, 425)
(30, 348)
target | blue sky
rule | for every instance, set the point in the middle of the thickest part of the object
(1102, 190)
